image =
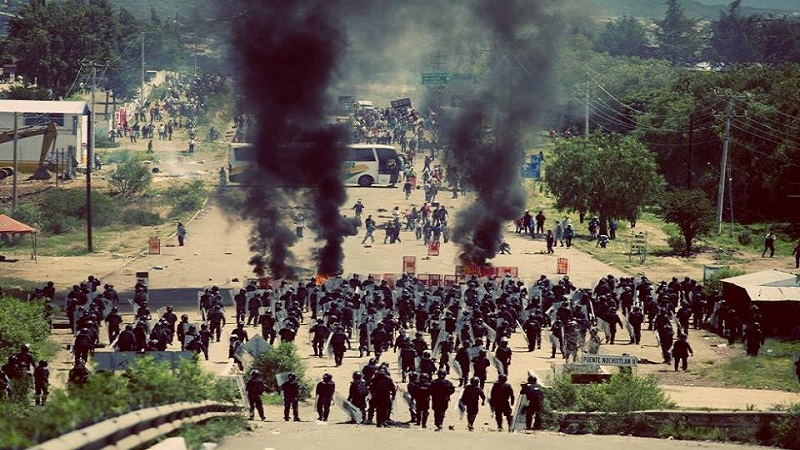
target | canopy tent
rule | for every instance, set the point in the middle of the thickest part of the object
(11, 226)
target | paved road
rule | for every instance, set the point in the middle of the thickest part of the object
(336, 436)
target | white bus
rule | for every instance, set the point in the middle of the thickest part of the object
(365, 164)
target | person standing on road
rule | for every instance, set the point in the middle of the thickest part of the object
(223, 177)
(469, 399)
(440, 391)
(358, 394)
(255, 387)
(769, 244)
(320, 332)
(359, 209)
(369, 226)
(383, 392)
(500, 399)
(796, 253)
(535, 395)
(540, 219)
(681, 351)
(217, 320)
(291, 395)
(325, 390)
(181, 234)
(550, 239)
(754, 339)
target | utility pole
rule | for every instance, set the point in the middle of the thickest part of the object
(141, 95)
(89, 163)
(90, 158)
(16, 168)
(726, 140)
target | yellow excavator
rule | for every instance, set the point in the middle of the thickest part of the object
(49, 133)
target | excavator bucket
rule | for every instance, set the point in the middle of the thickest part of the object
(41, 173)
(48, 140)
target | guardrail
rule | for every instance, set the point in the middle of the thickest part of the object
(137, 428)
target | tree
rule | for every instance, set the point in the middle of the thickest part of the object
(624, 37)
(691, 211)
(49, 41)
(27, 92)
(736, 39)
(678, 37)
(607, 174)
(130, 179)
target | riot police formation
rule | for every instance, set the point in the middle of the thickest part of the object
(462, 327)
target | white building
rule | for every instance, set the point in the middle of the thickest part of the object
(32, 117)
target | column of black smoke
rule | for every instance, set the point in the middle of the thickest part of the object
(485, 137)
(287, 51)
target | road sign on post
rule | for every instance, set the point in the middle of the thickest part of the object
(608, 360)
(562, 266)
(154, 246)
(410, 264)
(435, 78)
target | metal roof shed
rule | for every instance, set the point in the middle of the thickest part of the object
(43, 107)
(775, 292)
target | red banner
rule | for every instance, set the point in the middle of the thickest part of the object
(433, 248)
(436, 279)
(450, 280)
(424, 278)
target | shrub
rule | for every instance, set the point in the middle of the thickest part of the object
(29, 214)
(23, 322)
(279, 359)
(59, 224)
(786, 431)
(186, 197)
(212, 430)
(713, 283)
(105, 210)
(140, 217)
(676, 243)
(624, 392)
(744, 238)
(64, 202)
(145, 384)
(130, 179)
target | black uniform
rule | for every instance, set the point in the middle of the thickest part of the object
(440, 391)
(535, 395)
(41, 382)
(501, 398)
(255, 387)
(325, 391)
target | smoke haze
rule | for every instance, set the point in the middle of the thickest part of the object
(287, 54)
(293, 57)
(485, 135)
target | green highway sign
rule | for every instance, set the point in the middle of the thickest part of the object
(435, 78)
